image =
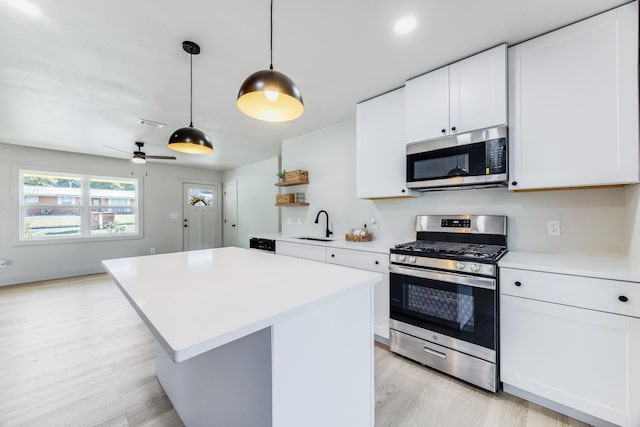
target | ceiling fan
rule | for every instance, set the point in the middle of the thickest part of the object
(140, 156)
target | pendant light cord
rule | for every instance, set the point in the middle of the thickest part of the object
(191, 92)
(271, 41)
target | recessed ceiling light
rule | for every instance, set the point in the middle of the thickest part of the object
(405, 24)
(151, 123)
(25, 6)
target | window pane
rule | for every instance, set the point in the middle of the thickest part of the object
(51, 190)
(51, 222)
(113, 206)
(105, 221)
(200, 197)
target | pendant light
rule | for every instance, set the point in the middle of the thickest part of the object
(190, 139)
(270, 95)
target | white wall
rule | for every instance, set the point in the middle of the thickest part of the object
(257, 212)
(593, 221)
(162, 195)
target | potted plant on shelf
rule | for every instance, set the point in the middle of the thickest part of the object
(281, 175)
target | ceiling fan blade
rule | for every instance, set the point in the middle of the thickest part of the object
(160, 157)
(117, 149)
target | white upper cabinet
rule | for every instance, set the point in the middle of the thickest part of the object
(467, 95)
(427, 103)
(381, 160)
(573, 104)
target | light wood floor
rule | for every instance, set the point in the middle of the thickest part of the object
(74, 353)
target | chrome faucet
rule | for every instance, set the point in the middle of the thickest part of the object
(327, 232)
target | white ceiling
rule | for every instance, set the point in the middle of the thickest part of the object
(80, 75)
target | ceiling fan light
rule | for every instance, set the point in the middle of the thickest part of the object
(190, 140)
(138, 159)
(271, 96)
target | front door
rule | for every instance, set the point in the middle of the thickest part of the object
(230, 214)
(200, 218)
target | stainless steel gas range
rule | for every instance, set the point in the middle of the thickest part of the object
(444, 296)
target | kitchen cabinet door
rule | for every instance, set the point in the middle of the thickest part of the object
(573, 104)
(582, 359)
(427, 106)
(301, 250)
(381, 161)
(478, 91)
(464, 96)
(372, 261)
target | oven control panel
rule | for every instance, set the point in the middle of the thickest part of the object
(455, 223)
(445, 264)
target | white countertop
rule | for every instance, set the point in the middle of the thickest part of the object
(576, 265)
(199, 300)
(378, 246)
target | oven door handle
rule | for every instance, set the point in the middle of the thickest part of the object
(459, 279)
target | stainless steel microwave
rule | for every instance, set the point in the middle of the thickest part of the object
(470, 160)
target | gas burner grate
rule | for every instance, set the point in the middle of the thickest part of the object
(473, 250)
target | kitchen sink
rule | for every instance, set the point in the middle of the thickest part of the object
(317, 239)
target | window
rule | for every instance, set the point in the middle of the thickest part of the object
(67, 206)
(200, 197)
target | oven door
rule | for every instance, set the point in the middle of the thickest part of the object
(459, 306)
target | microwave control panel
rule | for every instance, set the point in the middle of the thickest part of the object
(496, 156)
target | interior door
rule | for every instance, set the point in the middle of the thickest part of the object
(200, 216)
(230, 214)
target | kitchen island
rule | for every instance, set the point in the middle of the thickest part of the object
(255, 339)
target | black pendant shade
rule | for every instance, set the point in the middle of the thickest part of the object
(270, 95)
(189, 139)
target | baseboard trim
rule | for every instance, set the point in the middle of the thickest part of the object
(48, 275)
(573, 413)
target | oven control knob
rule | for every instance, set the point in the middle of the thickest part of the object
(412, 260)
(402, 258)
(460, 266)
(474, 268)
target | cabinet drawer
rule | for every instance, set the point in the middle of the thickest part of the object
(586, 292)
(372, 261)
(301, 250)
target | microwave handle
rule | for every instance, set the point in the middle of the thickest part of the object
(473, 281)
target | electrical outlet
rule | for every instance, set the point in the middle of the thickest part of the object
(553, 227)
(152, 251)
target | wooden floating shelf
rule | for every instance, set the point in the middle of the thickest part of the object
(292, 204)
(292, 182)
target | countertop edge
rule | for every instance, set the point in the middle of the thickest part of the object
(603, 267)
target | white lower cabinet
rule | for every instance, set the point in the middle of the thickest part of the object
(579, 357)
(372, 261)
(301, 250)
